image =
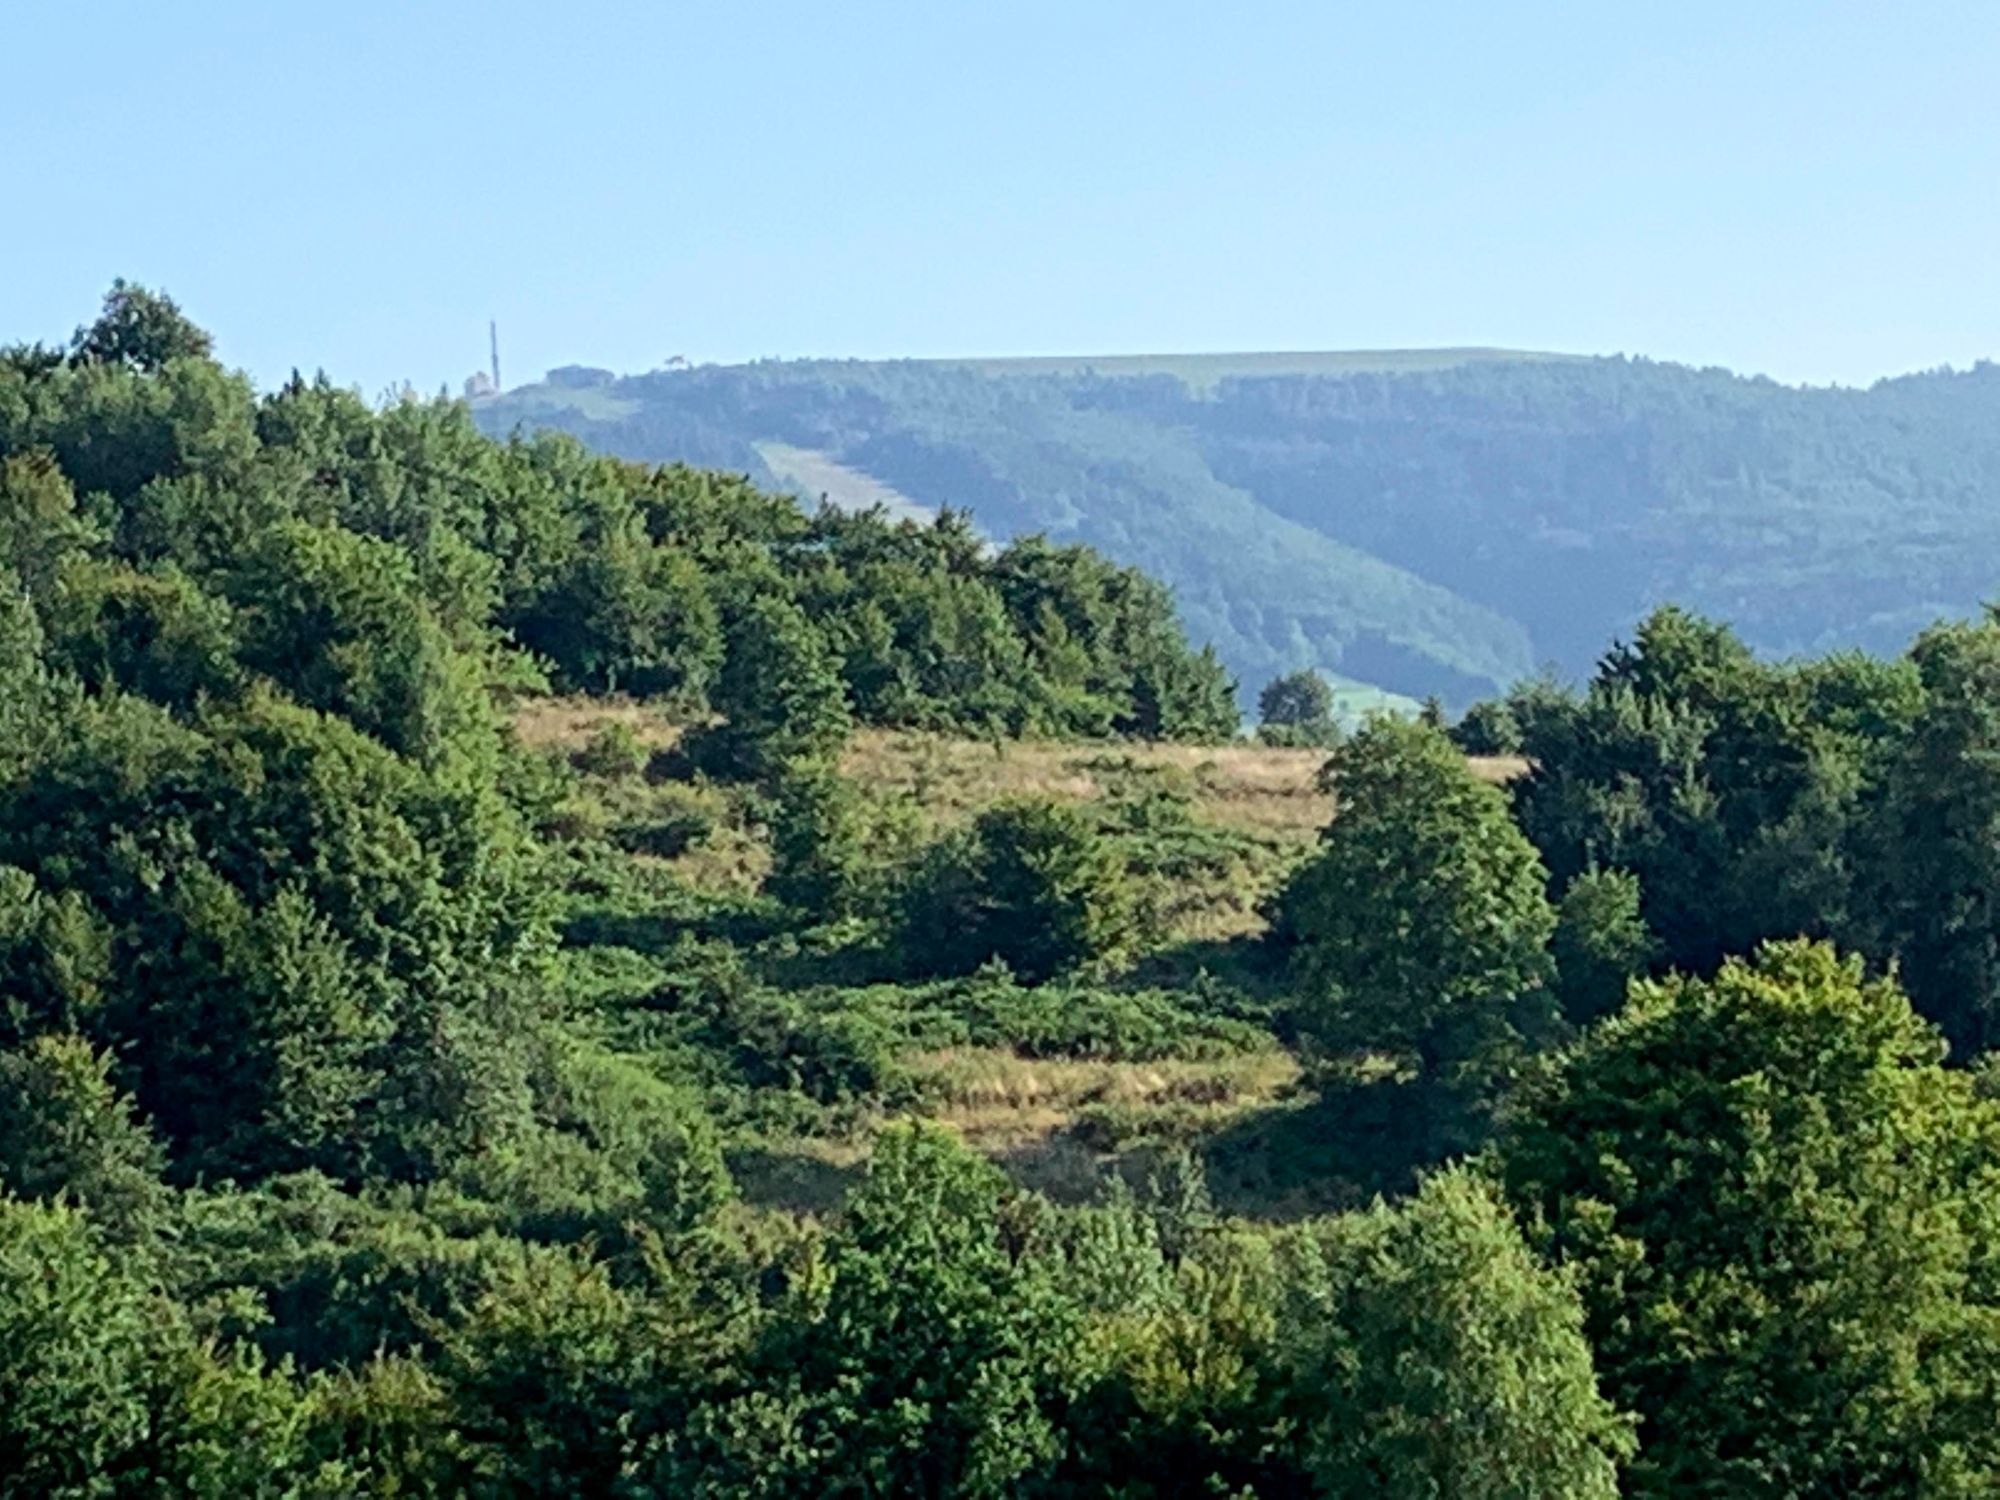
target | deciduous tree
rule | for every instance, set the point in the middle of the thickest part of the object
(1782, 1213)
(1420, 927)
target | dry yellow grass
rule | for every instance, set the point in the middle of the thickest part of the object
(1498, 769)
(568, 723)
(1249, 787)
(1025, 1114)
(1001, 1103)
(1252, 787)
(1271, 794)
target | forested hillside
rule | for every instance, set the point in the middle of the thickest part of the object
(1432, 524)
(527, 974)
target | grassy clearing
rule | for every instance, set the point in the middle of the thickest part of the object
(567, 724)
(1245, 787)
(1237, 816)
(1271, 795)
(1064, 1127)
(1061, 1126)
(1269, 798)
(1000, 1102)
(1253, 788)
(820, 475)
(543, 402)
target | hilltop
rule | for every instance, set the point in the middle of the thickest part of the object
(1422, 521)
(1206, 371)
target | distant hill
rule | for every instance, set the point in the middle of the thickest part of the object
(1427, 521)
(1203, 372)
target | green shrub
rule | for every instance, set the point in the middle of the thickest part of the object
(1419, 929)
(1398, 1349)
(1601, 943)
(818, 855)
(76, 1342)
(1032, 884)
(613, 752)
(1766, 1183)
(65, 1130)
(1489, 727)
(835, 1047)
(1296, 710)
(669, 828)
(780, 693)
(1299, 736)
(1082, 1020)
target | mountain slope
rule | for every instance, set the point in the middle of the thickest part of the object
(1429, 521)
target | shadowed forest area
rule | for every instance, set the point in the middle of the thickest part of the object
(529, 973)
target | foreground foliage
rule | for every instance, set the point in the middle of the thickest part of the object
(1769, 1185)
(394, 1101)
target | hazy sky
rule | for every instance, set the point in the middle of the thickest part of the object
(1806, 190)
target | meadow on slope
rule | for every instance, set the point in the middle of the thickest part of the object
(1231, 821)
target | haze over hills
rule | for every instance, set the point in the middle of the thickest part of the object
(1424, 521)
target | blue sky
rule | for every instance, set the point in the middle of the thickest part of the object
(1806, 190)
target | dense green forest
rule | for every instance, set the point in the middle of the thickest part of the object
(523, 973)
(1434, 525)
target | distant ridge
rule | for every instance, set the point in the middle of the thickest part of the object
(1428, 521)
(1199, 371)
(1207, 369)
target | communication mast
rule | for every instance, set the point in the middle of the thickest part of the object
(493, 336)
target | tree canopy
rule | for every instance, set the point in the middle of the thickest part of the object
(1420, 927)
(1781, 1209)
(526, 973)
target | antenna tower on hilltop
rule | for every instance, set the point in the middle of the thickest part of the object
(493, 337)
